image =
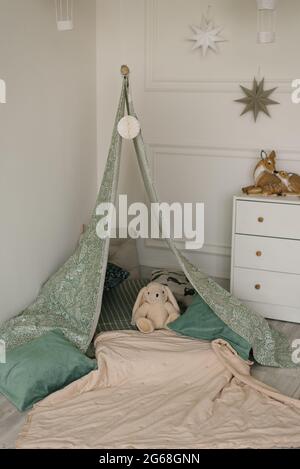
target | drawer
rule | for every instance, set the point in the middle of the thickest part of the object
(275, 254)
(267, 287)
(277, 220)
(280, 313)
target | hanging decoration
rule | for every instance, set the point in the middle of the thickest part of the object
(64, 14)
(266, 11)
(129, 127)
(207, 35)
(257, 99)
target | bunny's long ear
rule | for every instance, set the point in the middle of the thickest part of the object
(172, 299)
(139, 301)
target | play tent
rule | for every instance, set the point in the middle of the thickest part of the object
(71, 299)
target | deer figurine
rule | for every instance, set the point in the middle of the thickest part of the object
(266, 178)
(291, 182)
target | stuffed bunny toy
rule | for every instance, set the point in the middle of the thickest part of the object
(154, 308)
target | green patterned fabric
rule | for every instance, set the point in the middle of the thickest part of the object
(117, 305)
(71, 299)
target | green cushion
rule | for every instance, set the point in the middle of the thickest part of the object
(40, 367)
(200, 322)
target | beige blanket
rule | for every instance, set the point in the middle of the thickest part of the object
(164, 391)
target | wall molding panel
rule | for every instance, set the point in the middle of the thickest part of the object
(210, 249)
(158, 151)
(212, 85)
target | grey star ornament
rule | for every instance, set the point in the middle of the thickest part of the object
(257, 99)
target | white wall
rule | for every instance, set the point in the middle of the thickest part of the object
(202, 150)
(47, 143)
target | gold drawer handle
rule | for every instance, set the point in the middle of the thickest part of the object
(260, 219)
(257, 286)
(258, 253)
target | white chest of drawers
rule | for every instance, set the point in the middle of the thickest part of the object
(265, 264)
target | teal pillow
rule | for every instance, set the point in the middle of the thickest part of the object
(41, 367)
(199, 321)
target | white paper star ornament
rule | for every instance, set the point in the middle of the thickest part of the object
(206, 36)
